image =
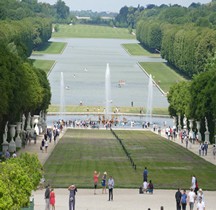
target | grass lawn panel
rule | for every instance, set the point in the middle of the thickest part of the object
(135, 110)
(45, 65)
(81, 151)
(138, 50)
(170, 165)
(92, 31)
(163, 75)
(51, 48)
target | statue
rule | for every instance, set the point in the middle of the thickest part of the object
(206, 124)
(184, 122)
(6, 130)
(23, 122)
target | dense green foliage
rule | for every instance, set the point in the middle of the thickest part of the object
(185, 37)
(19, 176)
(196, 99)
(18, 10)
(24, 88)
(24, 26)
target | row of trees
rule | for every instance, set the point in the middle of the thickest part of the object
(199, 14)
(22, 36)
(18, 177)
(23, 88)
(186, 38)
(187, 48)
(18, 10)
(196, 99)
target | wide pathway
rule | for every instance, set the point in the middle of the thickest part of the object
(124, 199)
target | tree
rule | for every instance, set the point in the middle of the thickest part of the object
(62, 10)
(178, 98)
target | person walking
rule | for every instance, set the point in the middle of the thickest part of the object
(95, 177)
(52, 199)
(200, 204)
(111, 186)
(200, 194)
(191, 198)
(46, 145)
(72, 189)
(178, 199)
(184, 200)
(47, 197)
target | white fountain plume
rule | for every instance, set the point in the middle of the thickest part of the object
(107, 93)
(62, 99)
(149, 101)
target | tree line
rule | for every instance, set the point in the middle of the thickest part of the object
(188, 42)
(24, 26)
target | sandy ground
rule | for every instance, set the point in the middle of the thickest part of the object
(124, 199)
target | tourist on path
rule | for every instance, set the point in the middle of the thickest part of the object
(178, 199)
(193, 182)
(111, 186)
(145, 174)
(184, 200)
(52, 199)
(42, 145)
(95, 177)
(191, 198)
(145, 186)
(200, 204)
(47, 197)
(103, 182)
(200, 194)
(72, 194)
(46, 145)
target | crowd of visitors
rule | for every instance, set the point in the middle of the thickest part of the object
(195, 196)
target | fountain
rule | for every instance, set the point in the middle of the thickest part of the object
(149, 101)
(107, 94)
(62, 100)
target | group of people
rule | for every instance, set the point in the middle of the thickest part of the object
(104, 183)
(183, 198)
(147, 186)
(195, 195)
(49, 198)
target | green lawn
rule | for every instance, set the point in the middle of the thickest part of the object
(163, 75)
(134, 110)
(80, 152)
(92, 31)
(138, 50)
(51, 48)
(45, 65)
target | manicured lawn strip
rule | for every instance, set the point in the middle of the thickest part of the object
(138, 50)
(51, 48)
(80, 152)
(170, 165)
(92, 31)
(133, 110)
(163, 75)
(45, 65)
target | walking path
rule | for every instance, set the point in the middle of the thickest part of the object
(124, 199)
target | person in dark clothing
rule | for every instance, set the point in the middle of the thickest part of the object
(145, 174)
(178, 196)
(72, 194)
(47, 197)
